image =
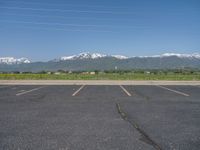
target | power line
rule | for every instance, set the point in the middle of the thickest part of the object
(64, 10)
(64, 17)
(62, 29)
(49, 23)
(67, 24)
(56, 4)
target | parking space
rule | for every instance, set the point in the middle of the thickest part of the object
(92, 91)
(160, 93)
(7, 92)
(173, 125)
(193, 91)
(86, 117)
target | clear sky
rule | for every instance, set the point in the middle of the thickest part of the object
(47, 29)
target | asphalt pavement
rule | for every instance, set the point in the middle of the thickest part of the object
(100, 117)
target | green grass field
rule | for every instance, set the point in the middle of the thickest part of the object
(106, 76)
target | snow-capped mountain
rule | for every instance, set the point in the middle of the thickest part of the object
(195, 55)
(119, 56)
(96, 61)
(88, 55)
(83, 56)
(12, 60)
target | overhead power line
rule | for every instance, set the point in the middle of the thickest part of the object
(68, 24)
(59, 4)
(61, 29)
(64, 10)
(66, 17)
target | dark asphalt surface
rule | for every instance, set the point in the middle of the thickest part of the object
(51, 118)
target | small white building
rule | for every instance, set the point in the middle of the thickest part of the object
(57, 73)
(92, 73)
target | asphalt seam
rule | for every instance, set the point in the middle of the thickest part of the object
(137, 93)
(137, 127)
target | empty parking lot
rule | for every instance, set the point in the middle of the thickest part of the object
(104, 117)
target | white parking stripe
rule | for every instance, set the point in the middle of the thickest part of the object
(125, 90)
(177, 92)
(198, 86)
(75, 93)
(22, 93)
(1, 87)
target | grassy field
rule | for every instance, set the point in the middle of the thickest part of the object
(106, 76)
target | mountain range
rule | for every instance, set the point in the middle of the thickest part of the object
(12, 60)
(96, 61)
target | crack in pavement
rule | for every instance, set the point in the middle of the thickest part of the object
(145, 136)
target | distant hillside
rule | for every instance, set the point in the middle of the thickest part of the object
(87, 61)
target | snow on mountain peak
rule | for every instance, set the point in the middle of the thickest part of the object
(83, 56)
(12, 60)
(120, 56)
(195, 55)
(97, 55)
(88, 55)
(68, 57)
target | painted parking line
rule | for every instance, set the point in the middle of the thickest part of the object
(175, 91)
(21, 91)
(198, 86)
(76, 92)
(125, 90)
(29, 91)
(1, 87)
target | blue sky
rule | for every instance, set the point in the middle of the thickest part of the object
(48, 29)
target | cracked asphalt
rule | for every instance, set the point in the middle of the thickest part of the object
(53, 117)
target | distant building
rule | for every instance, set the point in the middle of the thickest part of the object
(92, 73)
(57, 73)
(85, 73)
(148, 72)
